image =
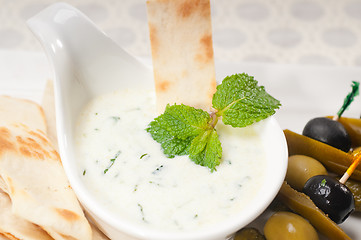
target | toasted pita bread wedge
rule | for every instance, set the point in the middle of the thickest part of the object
(3, 237)
(3, 186)
(182, 52)
(15, 110)
(37, 185)
(15, 227)
(97, 234)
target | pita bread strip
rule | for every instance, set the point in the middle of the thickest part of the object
(182, 52)
(37, 184)
(21, 111)
(15, 227)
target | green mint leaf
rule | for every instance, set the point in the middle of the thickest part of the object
(171, 145)
(206, 149)
(183, 121)
(177, 127)
(199, 143)
(241, 102)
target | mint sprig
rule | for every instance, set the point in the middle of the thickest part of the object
(184, 130)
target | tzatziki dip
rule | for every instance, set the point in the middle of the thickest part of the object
(127, 172)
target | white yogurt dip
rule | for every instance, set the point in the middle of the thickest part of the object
(126, 170)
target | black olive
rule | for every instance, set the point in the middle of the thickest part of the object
(328, 131)
(331, 196)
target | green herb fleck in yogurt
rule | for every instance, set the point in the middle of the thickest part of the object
(112, 160)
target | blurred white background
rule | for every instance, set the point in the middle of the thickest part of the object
(316, 32)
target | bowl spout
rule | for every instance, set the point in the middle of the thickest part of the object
(73, 43)
(86, 63)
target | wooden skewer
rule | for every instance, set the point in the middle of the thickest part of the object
(351, 169)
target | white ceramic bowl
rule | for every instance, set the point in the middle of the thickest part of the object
(86, 64)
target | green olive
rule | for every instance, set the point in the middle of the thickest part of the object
(289, 226)
(248, 234)
(357, 149)
(278, 206)
(355, 188)
(301, 168)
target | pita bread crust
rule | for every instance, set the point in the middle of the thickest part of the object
(37, 184)
(14, 227)
(182, 52)
(8, 236)
(3, 237)
(16, 111)
(97, 234)
(42, 202)
(3, 186)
